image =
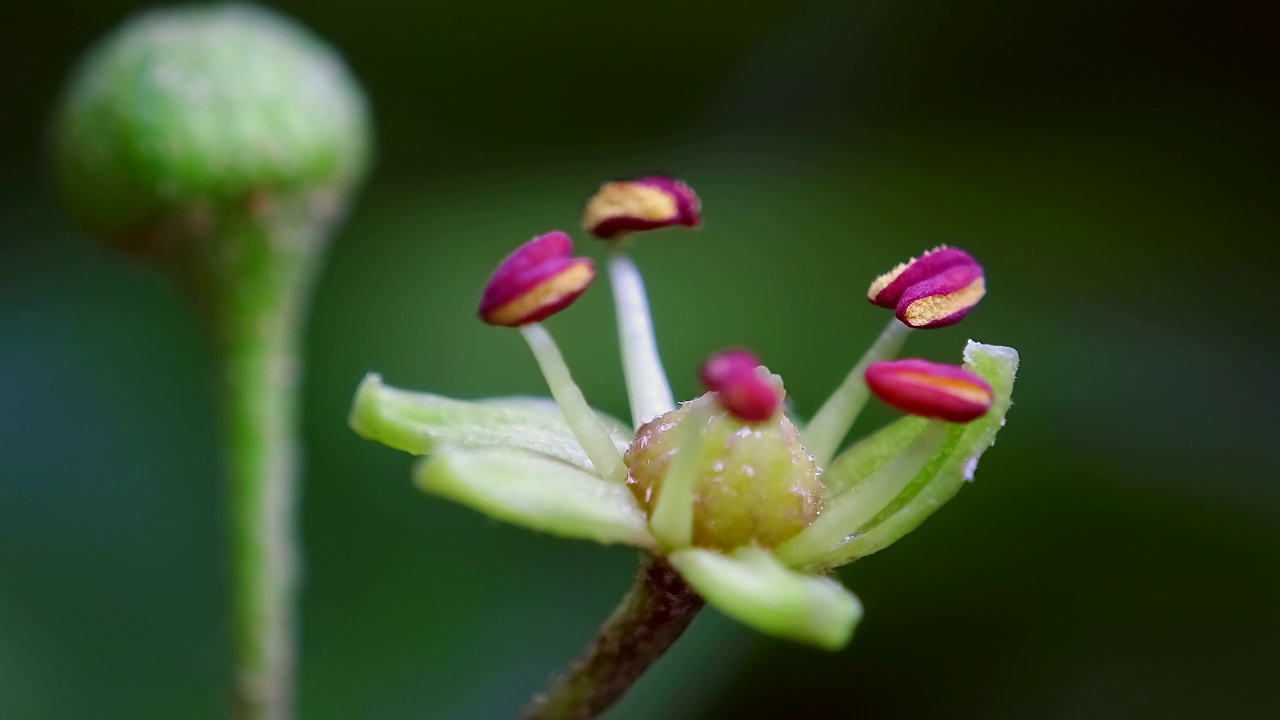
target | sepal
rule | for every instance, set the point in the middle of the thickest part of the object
(751, 586)
(535, 491)
(415, 422)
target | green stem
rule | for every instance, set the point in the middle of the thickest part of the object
(829, 426)
(260, 396)
(254, 271)
(652, 616)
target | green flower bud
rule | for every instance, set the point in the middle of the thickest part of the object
(756, 485)
(225, 140)
(182, 112)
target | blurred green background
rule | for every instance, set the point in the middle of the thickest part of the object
(1113, 165)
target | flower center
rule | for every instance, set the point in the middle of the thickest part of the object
(755, 485)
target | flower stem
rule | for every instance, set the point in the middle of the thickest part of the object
(654, 613)
(648, 391)
(830, 425)
(253, 275)
(260, 398)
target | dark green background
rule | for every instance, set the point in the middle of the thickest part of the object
(1113, 165)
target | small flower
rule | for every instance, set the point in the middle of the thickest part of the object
(736, 378)
(935, 290)
(535, 282)
(645, 203)
(750, 509)
(933, 390)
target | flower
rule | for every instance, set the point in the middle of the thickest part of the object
(750, 506)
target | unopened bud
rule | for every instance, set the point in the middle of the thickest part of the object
(646, 203)
(928, 389)
(934, 290)
(187, 114)
(535, 282)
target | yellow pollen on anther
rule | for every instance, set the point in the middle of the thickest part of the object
(569, 280)
(624, 199)
(952, 386)
(936, 307)
(879, 284)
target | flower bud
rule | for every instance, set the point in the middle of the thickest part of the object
(934, 290)
(184, 112)
(535, 282)
(735, 377)
(933, 390)
(646, 203)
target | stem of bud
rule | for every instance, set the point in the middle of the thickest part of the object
(252, 273)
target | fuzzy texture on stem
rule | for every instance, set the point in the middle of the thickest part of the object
(250, 266)
(258, 322)
(652, 616)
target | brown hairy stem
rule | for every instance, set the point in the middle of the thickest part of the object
(654, 613)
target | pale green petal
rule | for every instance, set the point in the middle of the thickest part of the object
(536, 491)
(416, 421)
(752, 587)
(939, 480)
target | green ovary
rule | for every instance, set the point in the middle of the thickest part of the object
(756, 484)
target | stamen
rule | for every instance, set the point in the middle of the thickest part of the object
(648, 390)
(589, 430)
(672, 519)
(854, 508)
(645, 203)
(932, 390)
(539, 279)
(934, 290)
(823, 435)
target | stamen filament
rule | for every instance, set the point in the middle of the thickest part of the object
(858, 505)
(589, 430)
(823, 435)
(672, 519)
(648, 391)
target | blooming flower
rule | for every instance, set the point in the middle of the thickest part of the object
(753, 508)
